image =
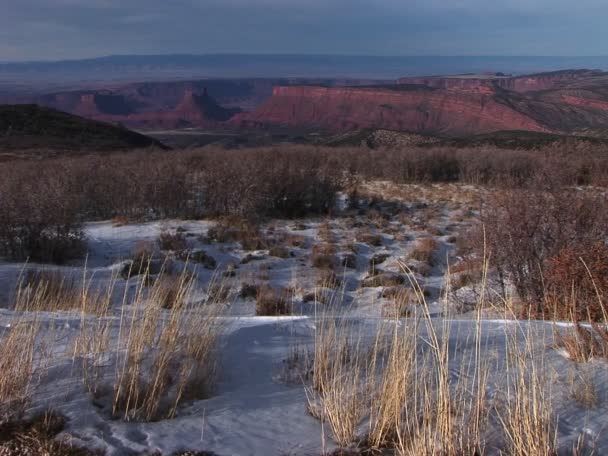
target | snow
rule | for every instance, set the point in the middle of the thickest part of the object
(257, 407)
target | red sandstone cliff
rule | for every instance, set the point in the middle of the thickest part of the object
(432, 111)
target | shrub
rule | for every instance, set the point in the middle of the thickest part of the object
(174, 242)
(372, 239)
(237, 229)
(537, 234)
(323, 256)
(424, 251)
(384, 279)
(279, 252)
(328, 279)
(203, 258)
(349, 261)
(37, 436)
(270, 302)
(39, 215)
(248, 291)
(577, 284)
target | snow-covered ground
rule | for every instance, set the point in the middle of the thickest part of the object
(258, 407)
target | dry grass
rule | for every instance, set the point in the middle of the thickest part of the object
(529, 424)
(583, 388)
(323, 256)
(37, 436)
(334, 393)
(52, 291)
(349, 261)
(17, 367)
(238, 229)
(401, 300)
(407, 390)
(328, 279)
(160, 357)
(279, 251)
(369, 238)
(581, 344)
(383, 279)
(424, 251)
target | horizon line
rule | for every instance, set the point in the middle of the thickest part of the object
(303, 55)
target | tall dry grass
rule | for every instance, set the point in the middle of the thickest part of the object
(409, 388)
(161, 354)
(17, 367)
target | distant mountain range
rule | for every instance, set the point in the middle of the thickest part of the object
(86, 73)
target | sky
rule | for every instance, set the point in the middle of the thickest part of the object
(72, 29)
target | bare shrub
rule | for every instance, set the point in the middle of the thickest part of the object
(375, 240)
(328, 279)
(349, 261)
(120, 220)
(383, 279)
(576, 283)
(174, 242)
(279, 251)
(237, 229)
(39, 215)
(249, 291)
(270, 302)
(323, 256)
(424, 251)
(538, 233)
(203, 258)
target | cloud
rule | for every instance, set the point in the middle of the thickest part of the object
(34, 29)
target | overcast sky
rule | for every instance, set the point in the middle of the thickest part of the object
(60, 29)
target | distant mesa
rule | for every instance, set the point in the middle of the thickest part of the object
(562, 102)
(559, 102)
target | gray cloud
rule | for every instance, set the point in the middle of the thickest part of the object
(52, 29)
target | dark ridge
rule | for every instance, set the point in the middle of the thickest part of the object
(31, 127)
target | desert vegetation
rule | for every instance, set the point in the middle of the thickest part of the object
(430, 301)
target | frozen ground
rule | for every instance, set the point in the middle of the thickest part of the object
(258, 407)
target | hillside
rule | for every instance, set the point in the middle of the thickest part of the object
(31, 127)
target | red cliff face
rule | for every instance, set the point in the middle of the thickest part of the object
(433, 111)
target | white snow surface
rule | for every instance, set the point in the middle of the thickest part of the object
(254, 409)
